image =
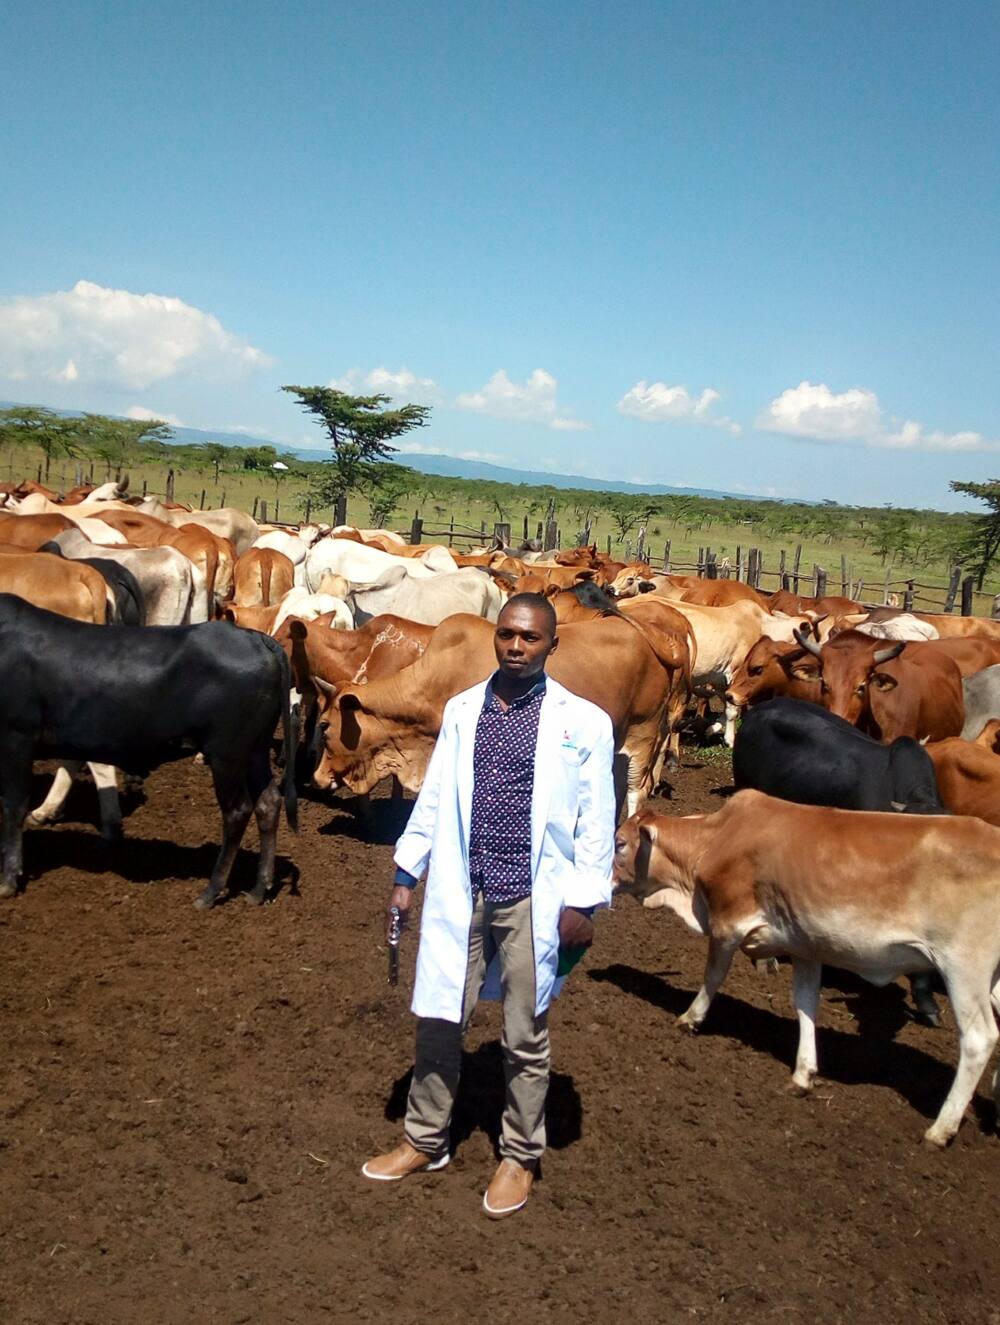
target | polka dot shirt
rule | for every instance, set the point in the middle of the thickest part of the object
(504, 779)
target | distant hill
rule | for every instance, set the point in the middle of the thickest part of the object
(445, 465)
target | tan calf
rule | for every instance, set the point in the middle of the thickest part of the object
(879, 894)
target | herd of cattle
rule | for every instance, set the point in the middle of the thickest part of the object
(133, 632)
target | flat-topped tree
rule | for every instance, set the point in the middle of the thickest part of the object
(361, 430)
(33, 425)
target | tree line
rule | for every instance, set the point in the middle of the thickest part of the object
(361, 430)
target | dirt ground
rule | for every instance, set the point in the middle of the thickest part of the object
(187, 1098)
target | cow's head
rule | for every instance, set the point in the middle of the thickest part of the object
(851, 668)
(357, 747)
(774, 667)
(648, 868)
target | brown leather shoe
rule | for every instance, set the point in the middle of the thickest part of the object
(509, 1190)
(401, 1162)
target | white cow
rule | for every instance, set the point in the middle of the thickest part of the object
(428, 601)
(165, 575)
(365, 565)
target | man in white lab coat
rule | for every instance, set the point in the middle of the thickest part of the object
(514, 829)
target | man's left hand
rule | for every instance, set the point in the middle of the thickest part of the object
(575, 929)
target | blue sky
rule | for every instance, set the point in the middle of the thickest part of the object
(751, 246)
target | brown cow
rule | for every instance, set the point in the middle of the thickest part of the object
(887, 692)
(710, 593)
(389, 727)
(261, 577)
(31, 531)
(968, 774)
(69, 588)
(878, 894)
(773, 668)
(794, 604)
(321, 653)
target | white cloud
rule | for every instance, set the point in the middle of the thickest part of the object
(655, 402)
(533, 401)
(93, 335)
(141, 412)
(400, 385)
(855, 416)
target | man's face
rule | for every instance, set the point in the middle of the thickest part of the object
(523, 641)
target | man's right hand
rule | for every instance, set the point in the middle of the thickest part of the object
(399, 897)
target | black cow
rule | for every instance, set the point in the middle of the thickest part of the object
(130, 604)
(136, 698)
(800, 752)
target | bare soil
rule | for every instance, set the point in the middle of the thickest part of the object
(186, 1100)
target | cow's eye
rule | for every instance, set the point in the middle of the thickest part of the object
(860, 690)
(756, 671)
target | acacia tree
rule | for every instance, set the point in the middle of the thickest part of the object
(114, 440)
(360, 429)
(627, 512)
(33, 425)
(982, 543)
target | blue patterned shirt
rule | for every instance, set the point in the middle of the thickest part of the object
(504, 779)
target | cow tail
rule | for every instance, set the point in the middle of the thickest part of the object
(290, 727)
(265, 581)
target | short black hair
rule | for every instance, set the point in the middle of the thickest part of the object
(538, 603)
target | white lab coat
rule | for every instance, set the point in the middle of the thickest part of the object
(572, 839)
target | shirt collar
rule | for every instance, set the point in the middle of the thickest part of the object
(536, 691)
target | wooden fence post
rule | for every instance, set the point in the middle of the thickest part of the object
(859, 589)
(551, 534)
(202, 506)
(416, 529)
(701, 562)
(949, 602)
(256, 500)
(845, 579)
(795, 568)
(263, 512)
(526, 527)
(144, 487)
(908, 597)
(820, 582)
(739, 561)
(308, 506)
(711, 569)
(340, 510)
(501, 534)
(666, 557)
(968, 584)
(451, 531)
(885, 591)
(170, 484)
(276, 510)
(783, 581)
(640, 543)
(223, 502)
(609, 545)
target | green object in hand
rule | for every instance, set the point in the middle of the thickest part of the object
(568, 958)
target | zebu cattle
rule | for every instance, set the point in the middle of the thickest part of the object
(165, 576)
(138, 698)
(427, 600)
(775, 879)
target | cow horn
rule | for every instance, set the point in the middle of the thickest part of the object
(899, 806)
(806, 643)
(123, 482)
(883, 655)
(324, 686)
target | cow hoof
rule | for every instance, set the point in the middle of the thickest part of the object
(928, 1016)
(799, 1089)
(205, 902)
(38, 821)
(691, 1027)
(935, 1140)
(8, 889)
(254, 898)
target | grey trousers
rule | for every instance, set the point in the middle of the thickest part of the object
(503, 928)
